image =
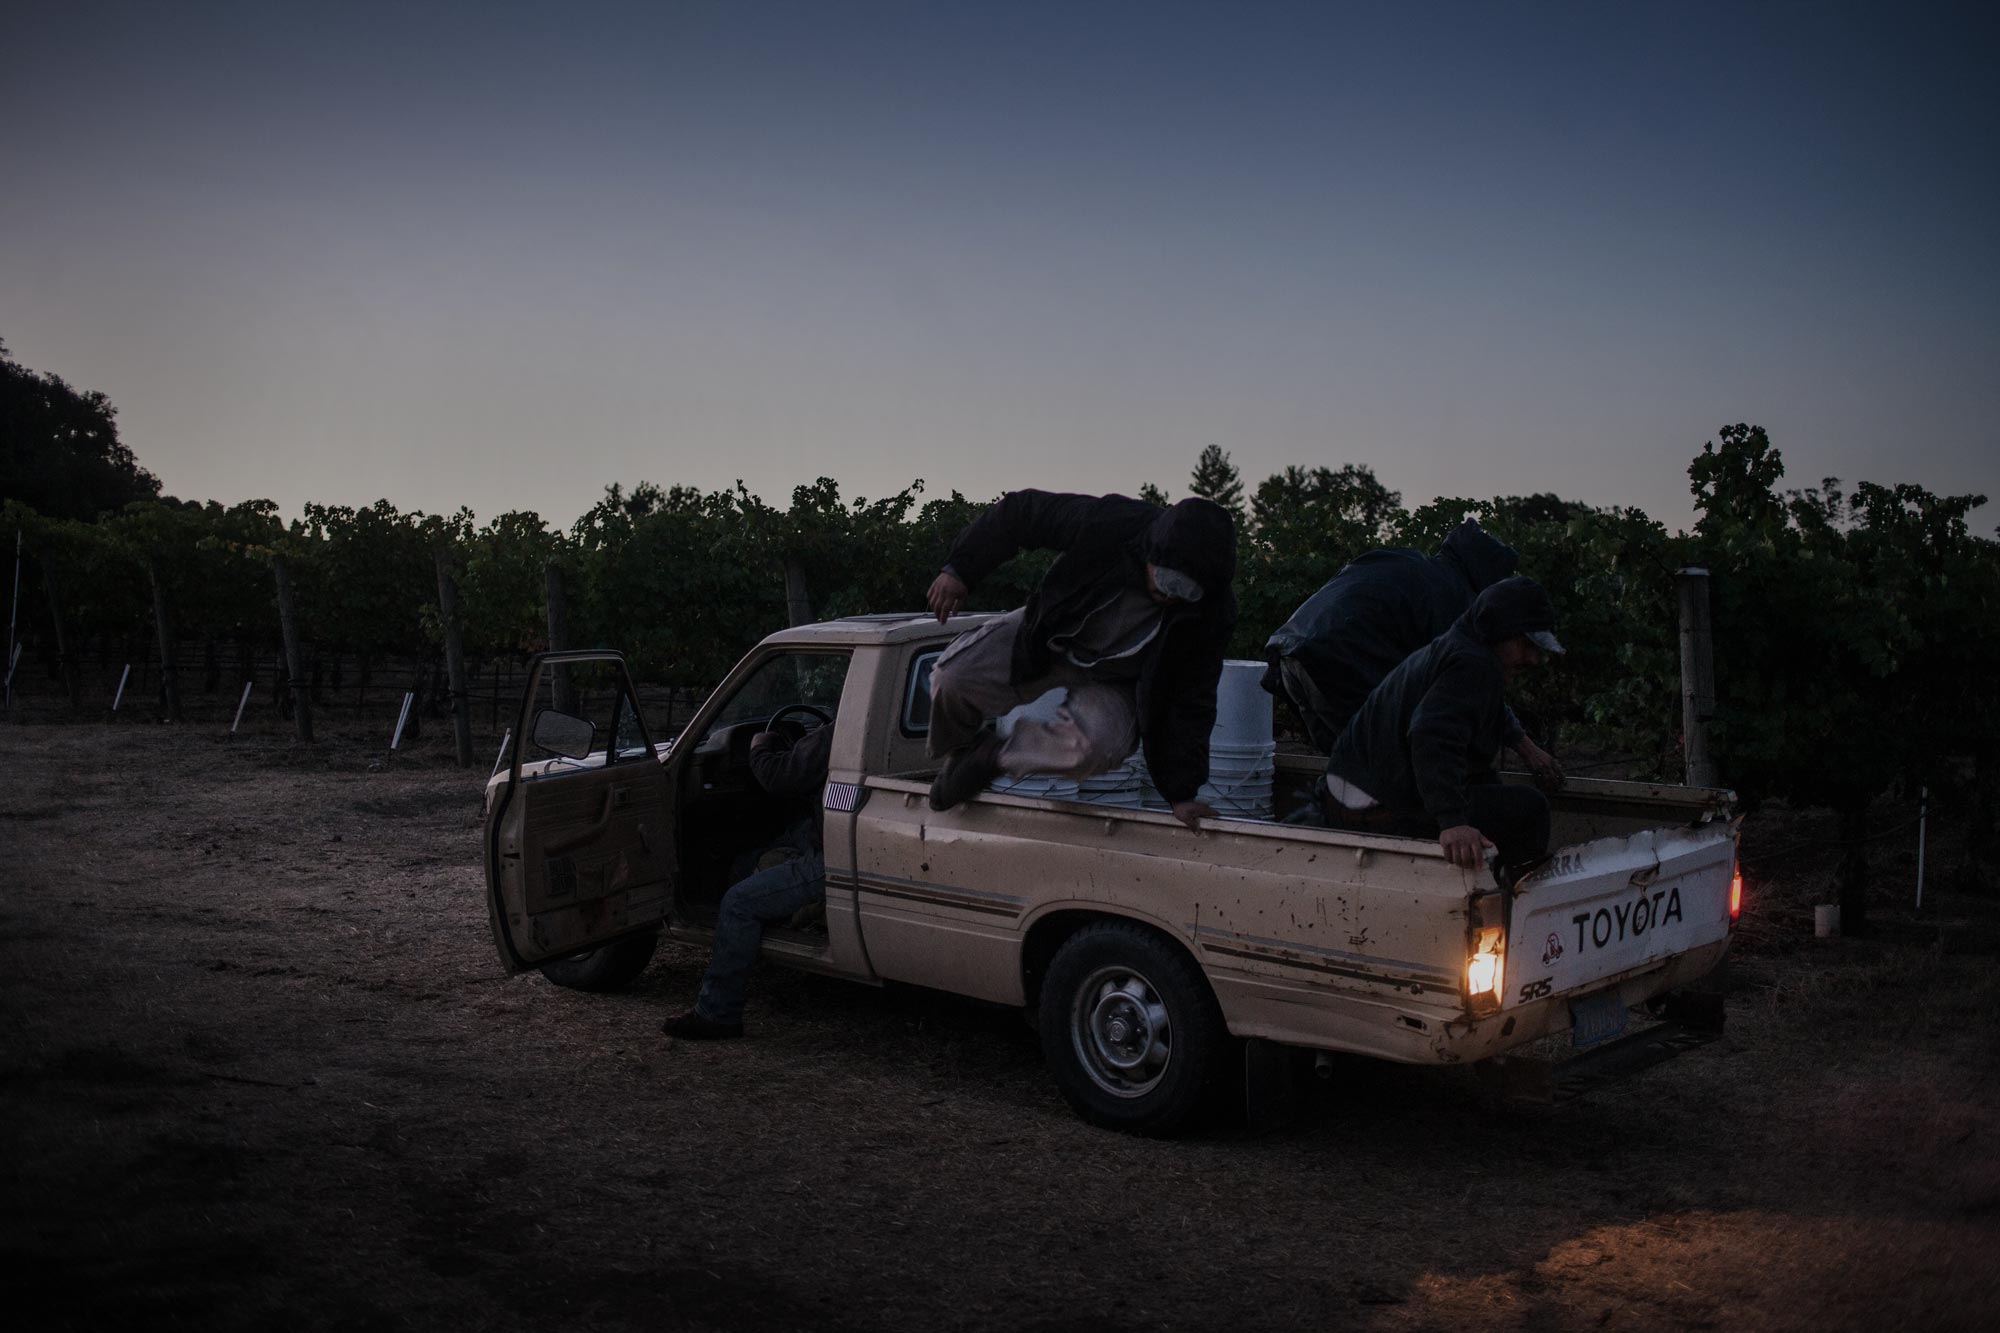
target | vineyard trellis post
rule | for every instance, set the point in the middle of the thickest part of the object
(288, 628)
(558, 609)
(454, 658)
(65, 659)
(13, 610)
(170, 685)
(1985, 792)
(798, 606)
(1697, 677)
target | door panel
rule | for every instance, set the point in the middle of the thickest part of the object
(579, 846)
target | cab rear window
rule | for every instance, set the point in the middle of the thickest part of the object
(917, 693)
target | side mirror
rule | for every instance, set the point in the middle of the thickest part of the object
(559, 733)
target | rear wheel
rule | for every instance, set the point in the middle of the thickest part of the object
(1130, 1029)
(609, 967)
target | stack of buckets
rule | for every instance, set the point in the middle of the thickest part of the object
(1117, 786)
(1040, 784)
(1242, 757)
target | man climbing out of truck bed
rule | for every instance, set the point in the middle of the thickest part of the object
(782, 768)
(1376, 611)
(1130, 622)
(1417, 759)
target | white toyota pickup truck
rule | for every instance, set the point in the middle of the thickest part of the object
(1147, 954)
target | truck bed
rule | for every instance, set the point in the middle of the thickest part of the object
(1312, 936)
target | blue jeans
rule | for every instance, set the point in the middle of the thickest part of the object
(751, 904)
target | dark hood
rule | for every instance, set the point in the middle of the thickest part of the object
(1510, 607)
(1198, 538)
(1477, 554)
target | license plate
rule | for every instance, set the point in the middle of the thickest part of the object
(1596, 1018)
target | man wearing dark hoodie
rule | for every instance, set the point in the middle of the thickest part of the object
(1417, 758)
(1122, 644)
(1375, 612)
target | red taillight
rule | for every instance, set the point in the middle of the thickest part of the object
(1735, 896)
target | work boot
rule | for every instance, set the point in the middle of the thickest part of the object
(691, 1026)
(966, 772)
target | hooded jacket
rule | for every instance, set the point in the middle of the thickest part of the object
(796, 770)
(1376, 611)
(1435, 723)
(1106, 543)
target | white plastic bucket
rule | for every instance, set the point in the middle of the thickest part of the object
(1242, 706)
(1240, 778)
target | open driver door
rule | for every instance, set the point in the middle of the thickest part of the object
(579, 834)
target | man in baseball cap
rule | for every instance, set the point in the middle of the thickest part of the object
(1418, 758)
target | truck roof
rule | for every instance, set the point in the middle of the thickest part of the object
(891, 627)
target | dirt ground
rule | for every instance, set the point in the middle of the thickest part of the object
(260, 1069)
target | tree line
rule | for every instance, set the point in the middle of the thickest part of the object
(1856, 631)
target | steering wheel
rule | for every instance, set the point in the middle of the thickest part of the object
(781, 720)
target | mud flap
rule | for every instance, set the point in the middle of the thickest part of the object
(1698, 1011)
(1273, 1078)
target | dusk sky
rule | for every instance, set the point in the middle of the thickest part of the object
(501, 256)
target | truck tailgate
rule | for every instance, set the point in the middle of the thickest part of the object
(1601, 909)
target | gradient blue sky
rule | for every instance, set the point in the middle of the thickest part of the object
(502, 255)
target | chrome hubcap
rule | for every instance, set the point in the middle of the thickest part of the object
(1121, 1032)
